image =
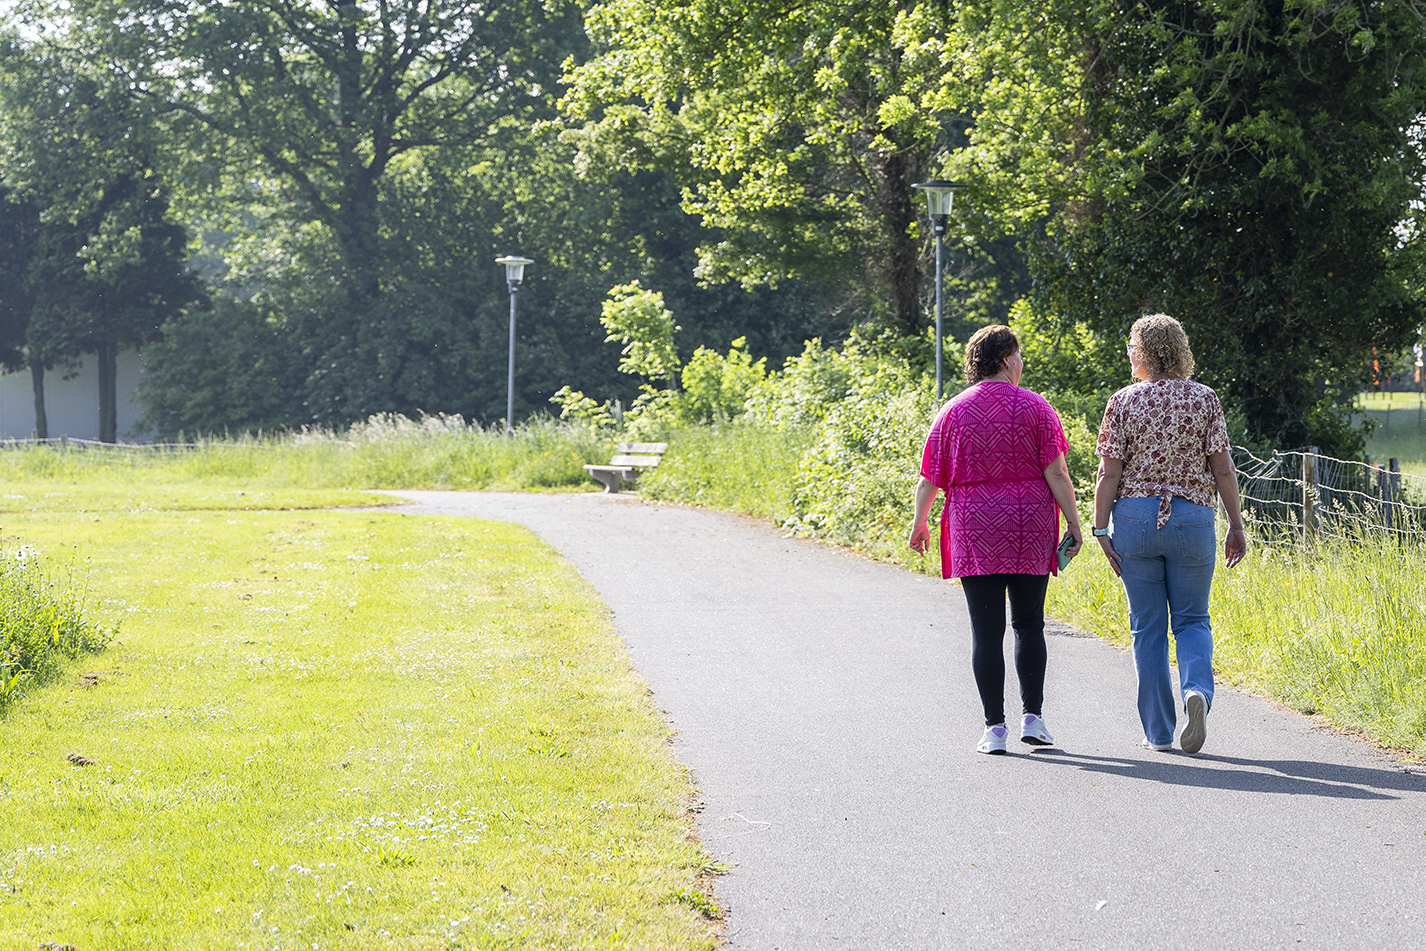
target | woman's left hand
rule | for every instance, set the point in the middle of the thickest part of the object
(1114, 557)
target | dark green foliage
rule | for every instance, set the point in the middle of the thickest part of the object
(225, 368)
(359, 190)
(1273, 171)
(19, 222)
(82, 303)
(98, 260)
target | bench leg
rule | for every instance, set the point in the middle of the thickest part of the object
(612, 479)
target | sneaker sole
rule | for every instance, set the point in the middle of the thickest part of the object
(992, 752)
(1197, 729)
(1036, 741)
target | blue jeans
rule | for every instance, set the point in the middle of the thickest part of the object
(1167, 574)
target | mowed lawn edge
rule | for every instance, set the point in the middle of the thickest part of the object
(338, 729)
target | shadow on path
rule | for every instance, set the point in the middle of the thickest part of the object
(1287, 777)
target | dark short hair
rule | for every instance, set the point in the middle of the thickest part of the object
(987, 350)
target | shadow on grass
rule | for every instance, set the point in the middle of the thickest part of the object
(1282, 777)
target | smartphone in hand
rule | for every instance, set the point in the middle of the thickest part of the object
(1062, 555)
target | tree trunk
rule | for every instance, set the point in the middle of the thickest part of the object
(108, 392)
(358, 228)
(37, 378)
(901, 266)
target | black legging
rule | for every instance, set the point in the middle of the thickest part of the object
(985, 596)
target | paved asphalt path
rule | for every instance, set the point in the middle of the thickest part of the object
(826, 708)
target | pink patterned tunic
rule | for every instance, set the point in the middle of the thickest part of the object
(1164, 431)
(987, 450)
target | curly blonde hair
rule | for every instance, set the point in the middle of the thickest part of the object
(1162, 345)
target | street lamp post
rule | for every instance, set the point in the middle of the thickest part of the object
(514, 274)
(940, 196)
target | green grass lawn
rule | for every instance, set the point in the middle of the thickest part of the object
(1400, 433)
(332, 729)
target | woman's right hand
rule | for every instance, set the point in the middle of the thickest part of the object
(920, 539)
(1235, 546)
(1114, 557)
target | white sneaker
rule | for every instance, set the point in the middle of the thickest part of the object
(1195, 705)
(994, 740)
(1156, 747)
(1033, 731)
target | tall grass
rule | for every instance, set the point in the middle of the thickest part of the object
(41, 624)
(1339, 631)
(385, 452)
(736, 466)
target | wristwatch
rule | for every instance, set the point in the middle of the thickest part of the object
(1099, 532)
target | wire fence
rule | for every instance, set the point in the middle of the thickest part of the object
(118, 451)
(1316, 496)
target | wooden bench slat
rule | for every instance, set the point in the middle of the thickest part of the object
(643, 462)
(655, 448)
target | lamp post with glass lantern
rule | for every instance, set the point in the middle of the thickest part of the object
(940, 196)
(514, 274)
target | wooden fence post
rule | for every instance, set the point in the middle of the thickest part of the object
(1390, 490)
(1309, 495)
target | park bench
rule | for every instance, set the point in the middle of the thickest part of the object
(630, 458)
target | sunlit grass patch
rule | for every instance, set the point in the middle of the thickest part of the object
(340, 729)
(123, 490)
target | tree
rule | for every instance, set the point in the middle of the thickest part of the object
(799, 128)
(1247, 167)
(321, 101)
(19, 221)
(102, 266)
(364, 164)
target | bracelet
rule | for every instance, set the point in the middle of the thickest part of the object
(1099, 532)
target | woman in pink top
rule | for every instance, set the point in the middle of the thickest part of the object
(998, 453)
(1163, 449)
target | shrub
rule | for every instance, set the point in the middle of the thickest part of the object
(228, 367)
(715, 387)
(40, 626)
(855, 483)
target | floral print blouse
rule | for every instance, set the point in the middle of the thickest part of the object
(1164, 431)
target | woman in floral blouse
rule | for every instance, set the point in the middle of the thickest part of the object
(1163, 449)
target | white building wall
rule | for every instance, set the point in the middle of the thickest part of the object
(71, 406)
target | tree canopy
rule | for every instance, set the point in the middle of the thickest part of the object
(97, 263)
(1268, 178)
(799, 129)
